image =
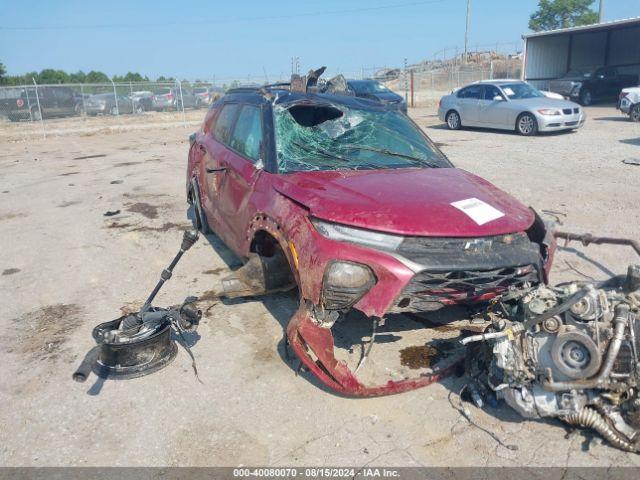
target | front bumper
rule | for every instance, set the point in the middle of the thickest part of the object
(625, 106)
(554, 123)
(398, 287)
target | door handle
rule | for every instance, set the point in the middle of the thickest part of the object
(216, 170)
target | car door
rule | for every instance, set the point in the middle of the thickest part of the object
(468, 100)
(213, 155)
(491, 112)
(244, 166)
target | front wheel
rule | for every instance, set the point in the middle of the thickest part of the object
(527, 125)
(453, 120)
(586, 98)
(201, 220)
(635, 113)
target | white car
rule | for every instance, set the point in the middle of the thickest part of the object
(509, 105)
(630, 103)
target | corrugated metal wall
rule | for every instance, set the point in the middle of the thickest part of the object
(625, 46)
(547, 57)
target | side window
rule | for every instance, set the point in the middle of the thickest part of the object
(247, 135)
(224, 123)
(491, 91)
(472, 92)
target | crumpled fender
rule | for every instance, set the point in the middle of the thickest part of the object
(304, 335)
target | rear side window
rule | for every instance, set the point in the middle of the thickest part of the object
(470, 92)
(247, 135)
(224, 124)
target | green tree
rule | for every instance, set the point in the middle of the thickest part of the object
(553, 14)
(130, 77)
(78, 77)
(3, 70)
(49, 75)
(96, 77)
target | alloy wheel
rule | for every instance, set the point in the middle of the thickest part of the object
(635, 113)
(453, 121)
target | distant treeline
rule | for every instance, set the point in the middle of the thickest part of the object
(52, 76)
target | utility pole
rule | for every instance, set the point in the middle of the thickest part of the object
(466, 32)
(601, 11)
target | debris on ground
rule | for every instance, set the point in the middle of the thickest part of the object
(111, 213)
(570, 352)
(631, 161)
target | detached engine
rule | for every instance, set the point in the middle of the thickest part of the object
(570, 352)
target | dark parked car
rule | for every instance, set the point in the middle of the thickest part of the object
(589, 86)
(355, 205)
(22, 104)
(105, 104)
(374, 90)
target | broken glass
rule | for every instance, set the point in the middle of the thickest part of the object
(336, 137)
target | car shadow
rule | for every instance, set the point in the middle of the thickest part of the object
(587, 259)
(510, 133)
(631, 141)
(612, 119)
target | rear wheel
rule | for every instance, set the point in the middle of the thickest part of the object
(36, 115)
(201, 220)
(635, 113)
(453, 120)
(527, 125)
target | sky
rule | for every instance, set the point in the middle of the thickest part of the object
(251, 39)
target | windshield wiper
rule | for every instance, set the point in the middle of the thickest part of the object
(389, 153)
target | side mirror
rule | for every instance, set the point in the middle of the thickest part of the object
(498, 98)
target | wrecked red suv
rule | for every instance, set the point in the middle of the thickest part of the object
(363, 209)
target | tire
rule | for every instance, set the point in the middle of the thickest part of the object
(634, 114)
(113, 111)
(454, 122)
(201, 220)
(36, 115)
(586, 98)
(139, 109)
(527, 125)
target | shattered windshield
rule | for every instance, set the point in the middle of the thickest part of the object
(330, 137)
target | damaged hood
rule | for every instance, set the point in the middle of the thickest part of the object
(439, 202)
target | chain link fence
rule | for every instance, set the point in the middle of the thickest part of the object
(27, 110)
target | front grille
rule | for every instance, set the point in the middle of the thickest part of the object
(576, 110)
(571, 124)
(453, 270)
(567, 111)
(430, 290)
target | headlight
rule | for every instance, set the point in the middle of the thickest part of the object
(550, 112)
(359, 236)
(344, 284)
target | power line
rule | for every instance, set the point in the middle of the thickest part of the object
(223, 20)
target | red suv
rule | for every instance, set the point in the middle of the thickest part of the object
(368, 213)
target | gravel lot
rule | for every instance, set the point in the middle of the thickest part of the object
(65, 267)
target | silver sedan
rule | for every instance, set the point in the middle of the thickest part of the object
(509, 105)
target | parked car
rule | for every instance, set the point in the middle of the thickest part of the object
(630, 103)
(22, 104)
(509, 105)
(172, 99)
(106, 104)
(588, 86)
(374, 90)
(144, 98)
(206, 95)
(362, 210)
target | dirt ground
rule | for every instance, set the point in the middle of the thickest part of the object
(65, 267)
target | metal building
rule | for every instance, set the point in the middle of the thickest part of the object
(550, 55)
